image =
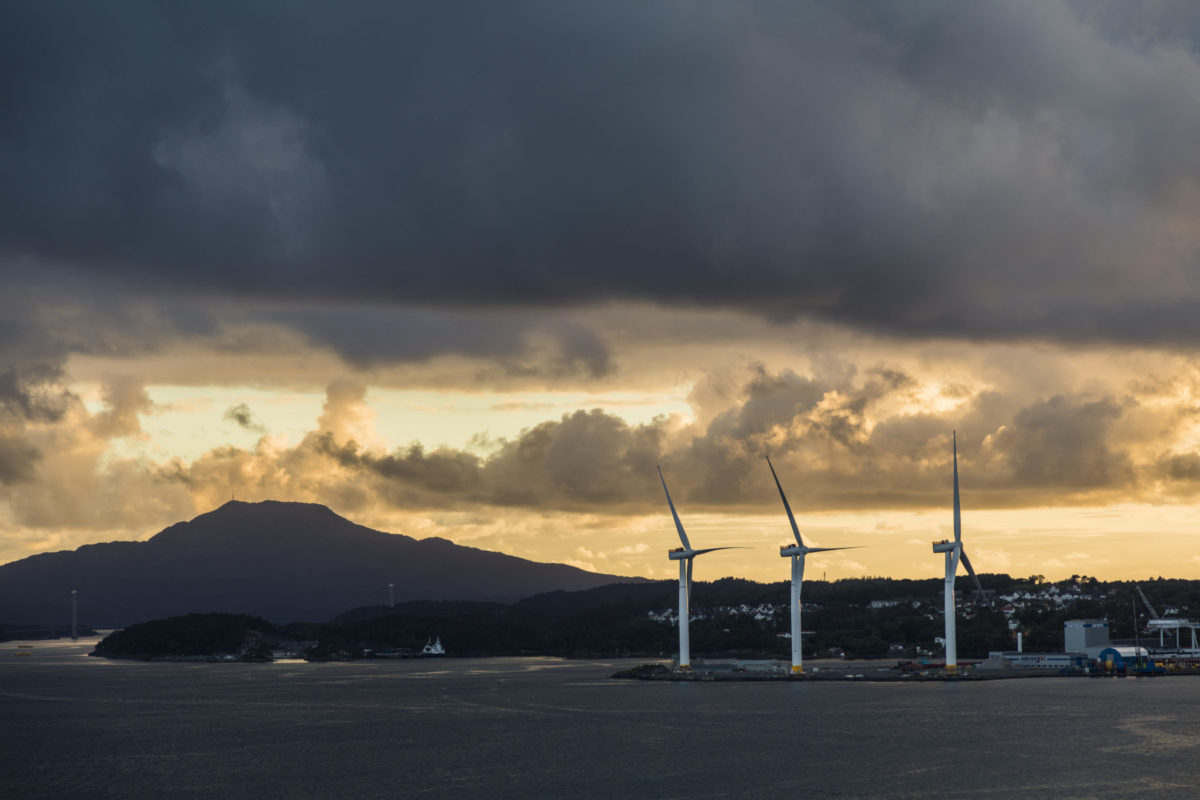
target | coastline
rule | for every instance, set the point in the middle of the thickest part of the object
(857, 671)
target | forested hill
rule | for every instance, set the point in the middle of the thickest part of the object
(868, 617)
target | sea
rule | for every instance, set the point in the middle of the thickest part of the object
(72, 726)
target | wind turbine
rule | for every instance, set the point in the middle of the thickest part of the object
(796, 552)
(684, 556)
(954, 551)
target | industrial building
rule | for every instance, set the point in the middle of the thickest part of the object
(1087, 636)
(1087, 645)
(1056, 662)
(1083, 639)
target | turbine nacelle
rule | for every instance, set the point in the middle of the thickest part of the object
(685, 555)
(796, 552)
(786, 550)
(681, 553)
(799, 548)
(954, 554)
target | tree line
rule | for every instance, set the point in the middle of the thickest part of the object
(616, 620)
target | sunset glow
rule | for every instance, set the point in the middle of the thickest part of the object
(480, 287)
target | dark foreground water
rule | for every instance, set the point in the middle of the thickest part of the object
(71, 726)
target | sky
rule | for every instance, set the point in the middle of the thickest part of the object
(474, 269)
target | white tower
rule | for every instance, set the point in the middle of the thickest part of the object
(954, 552)
(684, 556)
(796, 552)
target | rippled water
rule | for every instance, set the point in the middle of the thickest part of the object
(80, 727)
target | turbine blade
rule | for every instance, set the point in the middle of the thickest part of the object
(678, 525)
(786, 507)
(957, 505)
(829, 549)
(970, 570)
(713, 549)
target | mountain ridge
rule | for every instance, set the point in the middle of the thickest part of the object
(280, 560)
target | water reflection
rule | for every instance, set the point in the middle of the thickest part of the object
(541, 727)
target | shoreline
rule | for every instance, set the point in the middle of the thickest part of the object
(875, 674)
(860, 671)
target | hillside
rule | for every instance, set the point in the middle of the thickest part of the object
(857, 617)
(279, 561)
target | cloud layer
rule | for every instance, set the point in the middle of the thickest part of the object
(842, 230)
(991, 170)
(851, 441)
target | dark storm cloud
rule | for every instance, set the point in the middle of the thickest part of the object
(18, 459)
(1065, 442)
(243, 417)
(1182, 468)
(46, 314)
(30, 394)
(443, 470)
(373, 335)
(983, 169)
(1065, 448)
(584, 458)
(819, 422)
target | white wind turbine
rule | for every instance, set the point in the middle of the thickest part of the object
(796, 552)
(684, 556)
(954, 551)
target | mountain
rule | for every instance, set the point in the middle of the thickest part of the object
(281, 561)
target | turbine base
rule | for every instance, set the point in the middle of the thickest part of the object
(797, 669)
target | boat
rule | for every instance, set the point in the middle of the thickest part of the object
(433, 648)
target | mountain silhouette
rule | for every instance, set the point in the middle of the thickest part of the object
(281, 561)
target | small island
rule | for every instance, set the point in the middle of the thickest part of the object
(193, 637)
(218, 637)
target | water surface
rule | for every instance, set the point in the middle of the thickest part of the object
(75, 726)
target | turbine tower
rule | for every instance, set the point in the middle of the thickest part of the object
(684, 556)
(796, 552)
(954, 551)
